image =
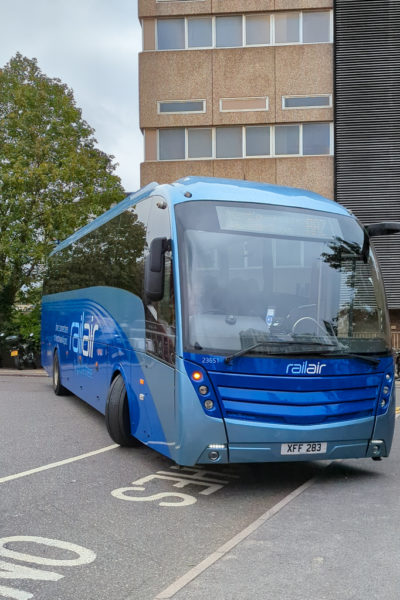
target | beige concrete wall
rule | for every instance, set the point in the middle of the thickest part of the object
(235, 73)
(151, 8)
(303, 70)
(302, 4)
(174, 75)
(242, 6)
(240, 72)
(311, 173)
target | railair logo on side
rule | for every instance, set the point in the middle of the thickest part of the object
(82, 333)
(305, 368)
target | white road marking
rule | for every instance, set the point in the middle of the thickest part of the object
(9, 570)
(7, 592)
(59, 463)
(188, 577)
(85, 556)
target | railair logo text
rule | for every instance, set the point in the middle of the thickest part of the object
(82, 334)
(305, 368)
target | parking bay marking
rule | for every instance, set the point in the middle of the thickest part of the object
(58, 463)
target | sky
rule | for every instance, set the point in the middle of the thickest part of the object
(92, 46)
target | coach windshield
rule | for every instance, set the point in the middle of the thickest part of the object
(278, 280)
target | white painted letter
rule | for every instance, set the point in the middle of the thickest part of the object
(7, 592)
(11, 571)
(85, 556)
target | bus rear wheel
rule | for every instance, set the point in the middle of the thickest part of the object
(117, 414)
(59, 389)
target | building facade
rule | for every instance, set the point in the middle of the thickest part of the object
(238, 88)
(260, 89)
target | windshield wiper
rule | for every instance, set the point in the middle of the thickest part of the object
(243, 351)
(368, 359)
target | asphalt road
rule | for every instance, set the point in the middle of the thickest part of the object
(129, 543)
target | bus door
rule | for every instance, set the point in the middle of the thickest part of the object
(159, 358)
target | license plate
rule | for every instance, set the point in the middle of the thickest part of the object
(303, 448)
(14, 353)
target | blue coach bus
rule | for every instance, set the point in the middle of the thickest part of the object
(225, 321)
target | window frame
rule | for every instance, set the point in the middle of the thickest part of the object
(272, 154)
(181, 112)
(319, 107)
(225, 110)
(272, 30)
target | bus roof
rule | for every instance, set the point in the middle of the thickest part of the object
(212, 188)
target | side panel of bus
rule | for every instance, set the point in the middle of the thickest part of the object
(95, 319)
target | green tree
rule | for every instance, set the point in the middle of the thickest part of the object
(53, 179)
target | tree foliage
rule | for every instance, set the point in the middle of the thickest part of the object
(53, 179)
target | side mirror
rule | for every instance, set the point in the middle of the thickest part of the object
(376, 229)
(154, 269)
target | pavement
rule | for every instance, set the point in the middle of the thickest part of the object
(24, 372)
(336, 537)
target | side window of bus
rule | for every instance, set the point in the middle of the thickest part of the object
(112, 255)
(160, 316)
(131, 247)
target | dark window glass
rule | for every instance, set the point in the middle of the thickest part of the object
(171, 143)
(200, 33)
(160, 316)
(229, 32)
(316, 27)
(257, 141)
(176, 107)
(257, 30)
(111, 256)
(229, 142)
(316, 138)
(170, 34)
(307, 102)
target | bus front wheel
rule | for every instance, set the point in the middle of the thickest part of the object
(117, 414)
(59, 389)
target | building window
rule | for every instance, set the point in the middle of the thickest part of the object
(170, 34)
(200, 143)
(322, 101)
(257, 141)
(316, 138)
(257, 30)
(196, 143)
(287, 28)
(316, 27)
(199, 33)
(243, 104)
(305, 27)
(287, 139)
(181, 106)
(229, 142)
(171, 144)
(229, 32)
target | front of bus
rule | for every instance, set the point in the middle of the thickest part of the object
(285, 333)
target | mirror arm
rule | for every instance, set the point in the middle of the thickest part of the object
(386, 228)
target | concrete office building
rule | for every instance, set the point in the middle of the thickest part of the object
(258, 90)
(238, 88)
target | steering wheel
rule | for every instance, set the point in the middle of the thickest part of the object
(301, 319)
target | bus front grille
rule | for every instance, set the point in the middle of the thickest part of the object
(296, 400)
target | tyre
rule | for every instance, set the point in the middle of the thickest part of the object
(59, 389)
(117, 414)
